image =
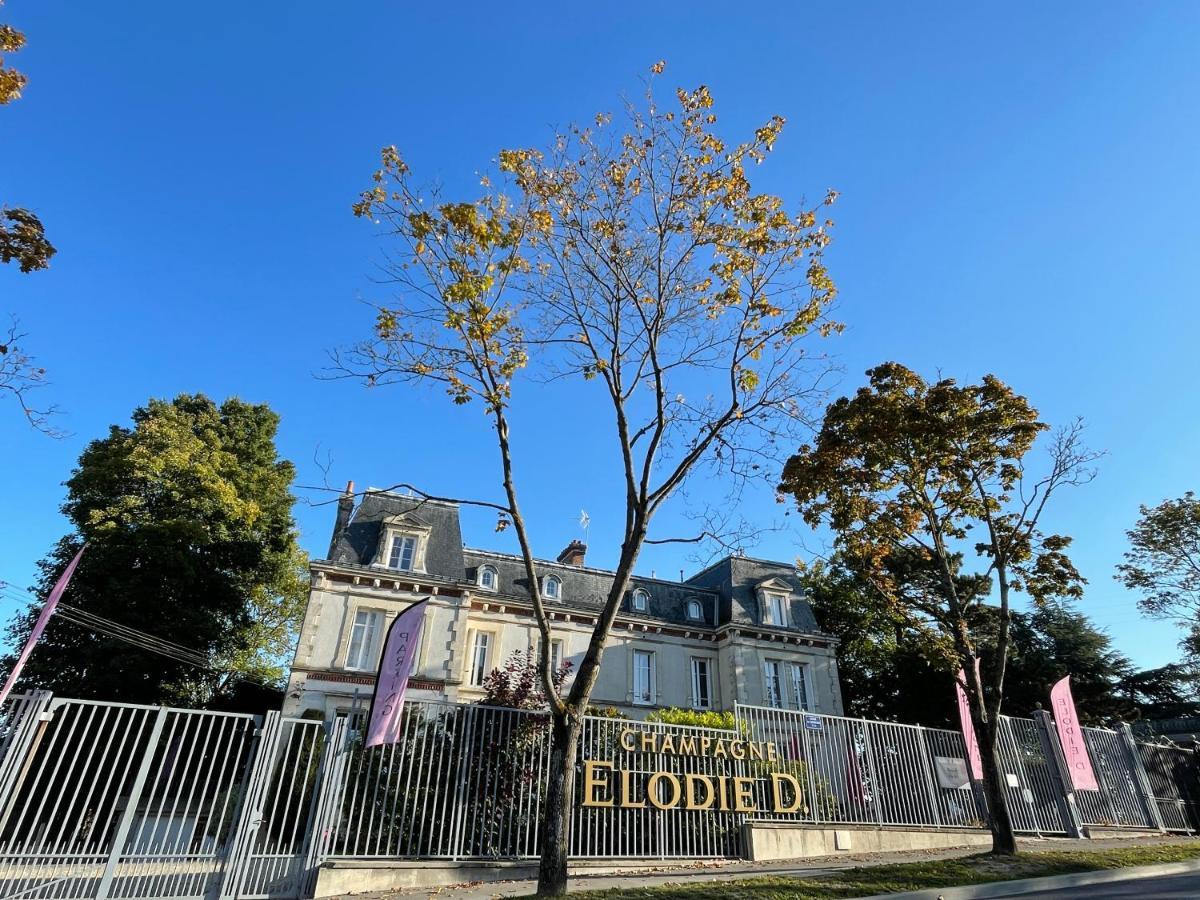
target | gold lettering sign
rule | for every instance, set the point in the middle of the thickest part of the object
(694, 791)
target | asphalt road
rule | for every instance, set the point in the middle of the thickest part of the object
(1165, 887)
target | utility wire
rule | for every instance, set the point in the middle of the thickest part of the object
(133, 636)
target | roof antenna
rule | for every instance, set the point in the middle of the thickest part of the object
(585, 522)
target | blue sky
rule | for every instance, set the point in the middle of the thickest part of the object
(1018, 187)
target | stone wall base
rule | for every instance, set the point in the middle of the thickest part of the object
(785, 840)
(338, 877)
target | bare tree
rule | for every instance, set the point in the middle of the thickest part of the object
(20, 376)
(638, 261)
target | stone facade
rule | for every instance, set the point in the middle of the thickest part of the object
(739, 630)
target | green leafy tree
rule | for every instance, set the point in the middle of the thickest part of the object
(1168, 692)
(890, 670)
(188, 524)
(933, 471)
(1163, 565)
(22, 237)
(639, 262)
(1052, 641)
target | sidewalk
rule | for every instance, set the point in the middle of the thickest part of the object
(699, 874)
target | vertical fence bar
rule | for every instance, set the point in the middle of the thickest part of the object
(1059, 773)
(139, 782)
(1142, 781)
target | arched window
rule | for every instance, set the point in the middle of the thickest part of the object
(694, 610)
(552, 587)
(641, 600)
(488, 578)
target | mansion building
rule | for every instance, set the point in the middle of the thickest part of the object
(738, 631)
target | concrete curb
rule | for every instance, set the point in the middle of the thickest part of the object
(1032, 885)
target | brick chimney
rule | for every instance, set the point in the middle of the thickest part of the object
(345, 507)
(573, 554)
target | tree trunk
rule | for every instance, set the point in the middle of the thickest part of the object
(556, 813)
(1004, 841)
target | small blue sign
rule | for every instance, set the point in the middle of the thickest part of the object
(813, 722)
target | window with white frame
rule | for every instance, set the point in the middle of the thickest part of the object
(403, 552)
(556, 654)
(480, 656)
(552, 587)
(772, 683)
(364, 639)
(694, 611)
(799, 676)
(641, 600)
(488, 578)
(701, 682)
(776, 610)
(643, 677)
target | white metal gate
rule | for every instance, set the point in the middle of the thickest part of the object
(105, 800)
(270, 852)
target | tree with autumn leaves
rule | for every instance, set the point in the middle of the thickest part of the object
(939, 473)
(634, 257)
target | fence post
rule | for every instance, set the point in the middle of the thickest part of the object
(1067, 809)
(135, 795)
(326, 800)
(930, 780)
(248, 816)
(15, 760)
(876, 792)
(1140, 778)
(466, 761)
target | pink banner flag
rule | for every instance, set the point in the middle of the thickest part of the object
(399, 648)
(40, 625)
(1079, 764)
(968, 728)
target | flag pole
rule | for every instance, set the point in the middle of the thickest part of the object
(40, 625)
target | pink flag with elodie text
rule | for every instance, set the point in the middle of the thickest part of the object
(1070, 735)
(40, 625)
(968, 728)
(391, 684)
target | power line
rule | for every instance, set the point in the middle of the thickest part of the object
(133, 636)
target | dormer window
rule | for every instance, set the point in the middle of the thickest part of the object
(641, 600)
(694, 610)
(488, 578)
(402, 545)
(552, 587)
(403, 553)
(776, 609)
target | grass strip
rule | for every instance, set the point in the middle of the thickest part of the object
(866, 880)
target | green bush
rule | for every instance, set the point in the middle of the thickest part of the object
(693, 717)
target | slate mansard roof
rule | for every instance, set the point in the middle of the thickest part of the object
(359, 544)
(725, 591)
(588, 588)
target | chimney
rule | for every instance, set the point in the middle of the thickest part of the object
(573, 554)
(345, 507)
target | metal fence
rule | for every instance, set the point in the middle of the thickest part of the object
(648, 832)
(1119, 803)
(859, 772)
(462, 781)
(1031, 791)
(469, 782)
(1174, 781)
(115, 800)
(119, 800)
